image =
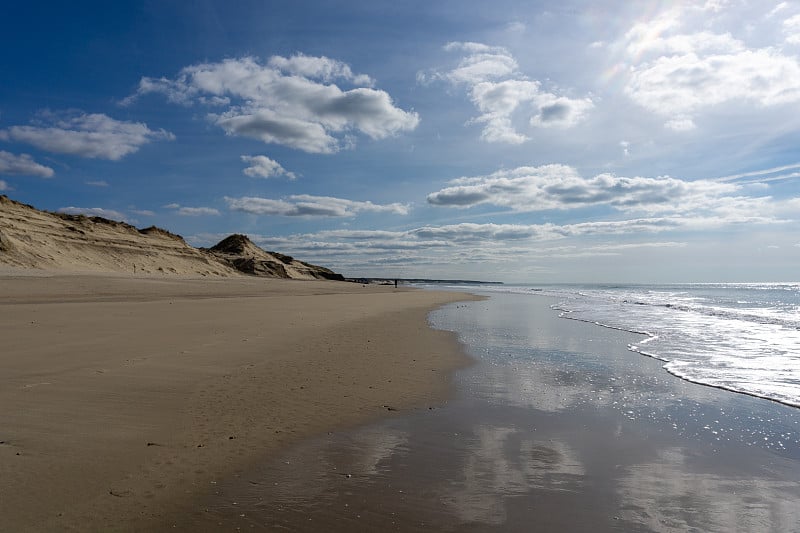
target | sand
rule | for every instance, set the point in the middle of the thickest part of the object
(124, 399)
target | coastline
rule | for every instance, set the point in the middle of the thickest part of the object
(124, 399)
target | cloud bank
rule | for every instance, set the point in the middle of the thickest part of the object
(556, 186)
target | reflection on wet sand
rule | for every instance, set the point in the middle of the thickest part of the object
(309, 474)
(590, 438)
(669, 495)
(500, 465)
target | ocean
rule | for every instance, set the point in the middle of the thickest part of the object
(741, 337)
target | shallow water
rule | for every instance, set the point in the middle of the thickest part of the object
(557, 427)
(742, 337)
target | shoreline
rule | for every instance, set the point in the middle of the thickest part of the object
(124, 398)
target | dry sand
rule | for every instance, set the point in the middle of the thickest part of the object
(123, 399)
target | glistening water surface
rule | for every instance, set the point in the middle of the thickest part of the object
(557, 427)
(743, 337)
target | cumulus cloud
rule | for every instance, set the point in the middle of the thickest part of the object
(304, 205)
(562, 187)
(22, 165)
(193, 211)
(261, 166)
(93, 212)
(509, 102)
(91, 135)
(289, 101)
(5, 186)
(678, 70)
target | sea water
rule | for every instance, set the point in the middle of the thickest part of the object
(742, 337)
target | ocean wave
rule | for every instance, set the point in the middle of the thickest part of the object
(744, 338)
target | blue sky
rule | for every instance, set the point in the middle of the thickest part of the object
(514, 141)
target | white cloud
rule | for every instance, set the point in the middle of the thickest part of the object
(561, 187)
(791, 28)
(311, 206)
(97, 183)
(777, 9)
(93, 212)
(193, 211)
(289, 101)
(508, 102)
(483, 63)
(262, 166)
(22, 165)
(5, 186)
(94, 135)
(679, 71)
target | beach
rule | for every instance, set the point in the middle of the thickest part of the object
(154, 404)
(124, 400)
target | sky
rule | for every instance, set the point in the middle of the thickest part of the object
(515, 141)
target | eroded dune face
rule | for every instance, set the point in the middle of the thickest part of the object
(30, 238)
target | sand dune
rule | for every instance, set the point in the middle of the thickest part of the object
(34, 239)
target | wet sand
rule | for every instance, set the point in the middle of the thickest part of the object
(558, 427)
(123, 400)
